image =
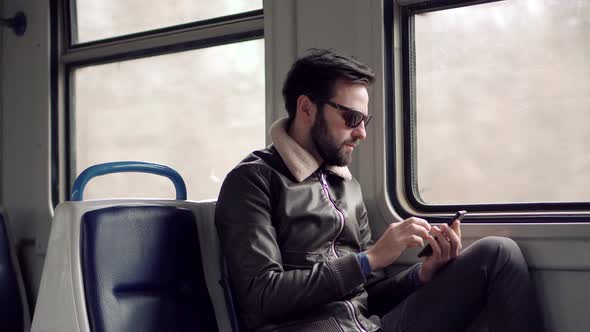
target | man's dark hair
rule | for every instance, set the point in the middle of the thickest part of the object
(315, 73)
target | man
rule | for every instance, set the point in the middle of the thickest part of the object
(295, 233)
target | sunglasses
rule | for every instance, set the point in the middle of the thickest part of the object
(351, 117)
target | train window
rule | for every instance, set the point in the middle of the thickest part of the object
(178, 83)
(95, 20)
(498, 96)
(199, 111)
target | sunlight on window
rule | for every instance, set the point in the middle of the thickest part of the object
(502, 95)
(111, 18)
(199, 112)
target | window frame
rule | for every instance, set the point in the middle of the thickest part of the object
(68, 57)
(406, 202)
(72, 24)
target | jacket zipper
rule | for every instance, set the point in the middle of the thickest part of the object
(324, 183)
(322, 178)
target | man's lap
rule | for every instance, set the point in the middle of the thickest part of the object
(458, 293)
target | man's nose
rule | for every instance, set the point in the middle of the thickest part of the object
(359, 132)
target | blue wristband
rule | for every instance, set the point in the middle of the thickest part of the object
(364, 261)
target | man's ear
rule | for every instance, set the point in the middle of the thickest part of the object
(306, 109)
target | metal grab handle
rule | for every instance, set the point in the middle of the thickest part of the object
(127, 166)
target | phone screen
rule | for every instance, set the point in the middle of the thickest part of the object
(458, 216)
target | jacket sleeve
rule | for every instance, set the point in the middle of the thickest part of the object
(265, 291)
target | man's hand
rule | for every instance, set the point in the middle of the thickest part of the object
(446, 245)
(397, 238)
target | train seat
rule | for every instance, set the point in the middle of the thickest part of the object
(142, 270)
(132, 265)
(14, 315)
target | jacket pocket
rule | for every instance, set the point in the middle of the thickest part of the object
(323, 325)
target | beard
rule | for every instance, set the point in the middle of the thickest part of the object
(325, 144)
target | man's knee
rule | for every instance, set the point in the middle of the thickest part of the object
(498, 249)
(493, 244)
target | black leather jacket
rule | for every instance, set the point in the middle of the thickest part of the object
(291, 249)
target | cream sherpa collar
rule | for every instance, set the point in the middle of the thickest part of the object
(299, 162)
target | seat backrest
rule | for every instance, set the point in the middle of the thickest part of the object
(131, 265)
(13, 312)
(142, 270)
(62, 304)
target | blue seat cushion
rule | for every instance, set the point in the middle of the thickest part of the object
(142, 270)
(11, 307)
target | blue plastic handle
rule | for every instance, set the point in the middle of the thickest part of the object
(127, 166)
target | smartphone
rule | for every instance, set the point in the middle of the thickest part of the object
(427, 251)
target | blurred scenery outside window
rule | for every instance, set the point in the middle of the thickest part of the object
(501, 99)
(100, 19)
(198, 111)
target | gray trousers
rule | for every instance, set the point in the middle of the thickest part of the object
(490, 274)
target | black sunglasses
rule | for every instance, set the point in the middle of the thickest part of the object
(352, 118)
